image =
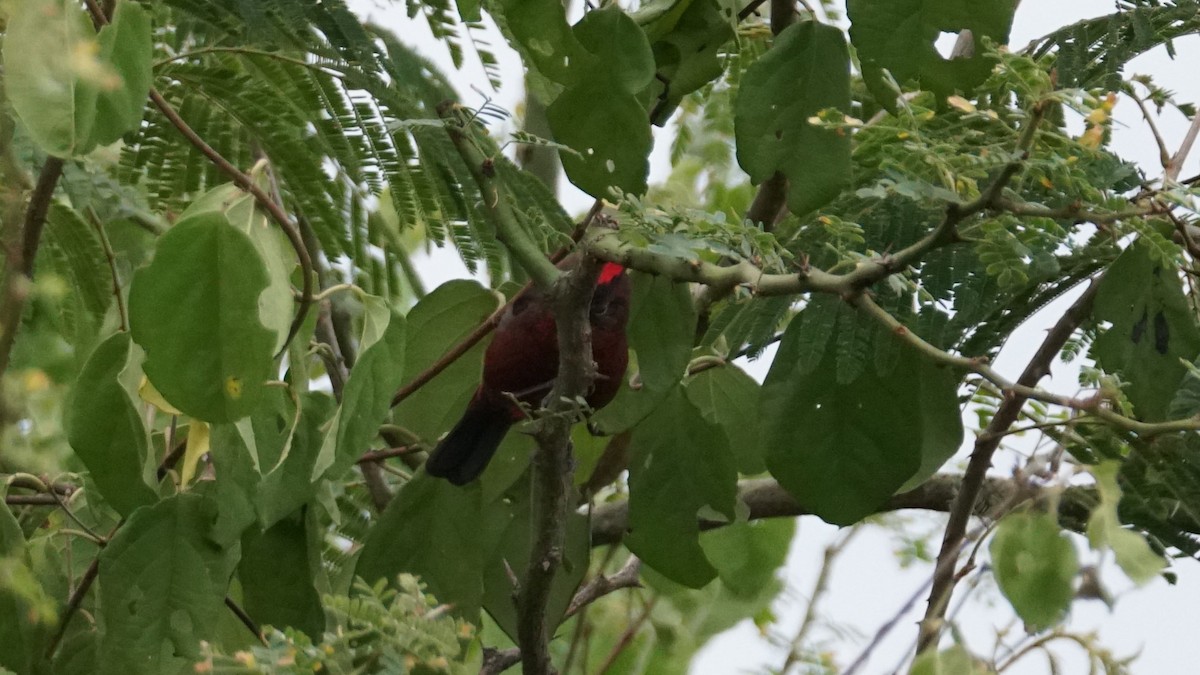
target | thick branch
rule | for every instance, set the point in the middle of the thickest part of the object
(981, 460)
(571, 297)
(18, 272)
(765, 498)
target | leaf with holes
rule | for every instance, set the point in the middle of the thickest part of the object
(195, 310)
(1035, 565)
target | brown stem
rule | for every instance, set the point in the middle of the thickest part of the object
(981, 460)
(18, 273)
(245, 619)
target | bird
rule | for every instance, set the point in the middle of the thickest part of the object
(521, 362)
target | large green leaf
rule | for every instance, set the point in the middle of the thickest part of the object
(125, 45)
(1152, 329)
(241, 209)
(619, 44)
(195, 310)
(290, 483)
(277, 580)
(431, 529)
(69, 105)
(105, 429)
(680, 469)
(511, 519)
(900, 36)
(611, 132)
(728, 396)
(162, 585)
(368, 393)
(437, 323)
(1035, 565)
(806, 71)
(842, 446)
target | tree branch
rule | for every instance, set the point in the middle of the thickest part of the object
(765, 498)
(496, 203)
(571, 299)
(626, 577)
(18, 272)
(981, 460)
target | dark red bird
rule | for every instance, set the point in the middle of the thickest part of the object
(522, 360)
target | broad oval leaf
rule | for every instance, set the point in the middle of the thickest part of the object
(276, 571)
(162, 583)
(105, 430)
(609, 129)
(195, 310)
(679, 469)
(1035, 565)
(619, 45)
(806, 71)
(842, 448)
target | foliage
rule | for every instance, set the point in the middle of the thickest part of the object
(169, 453)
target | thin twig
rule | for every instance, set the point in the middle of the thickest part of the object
(981, 460)
(1176, 164)
(497, 661)
(627, 636)
(820, 586)
(601, 585)
(109, 256)
(245, 619)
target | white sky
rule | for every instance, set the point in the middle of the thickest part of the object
(868, 587)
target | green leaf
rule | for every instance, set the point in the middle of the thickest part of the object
(610, 131)
(105, 429)
(662, 326)
(437, 323)
(899, 35)
(70, 105)
(195, 310)
(806, 71)
(125, 45)
(1035, 564)
(728, 396)
(367, 397)
(237, 481)
(1152, 330)
(843, 448)
(545, 40)
(22, 638)
(747, 554)
(512, 518)
(431, 529)
(954, 660)
(290, 484)
(276, 304)
(619, 45)
(1104, 530)
(277, 581)
(162, 583)
(38, 81)
(687, 42)
(680, 468)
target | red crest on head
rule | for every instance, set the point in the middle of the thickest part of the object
(609, 272)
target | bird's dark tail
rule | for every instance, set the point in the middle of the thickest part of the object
(466, 450)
